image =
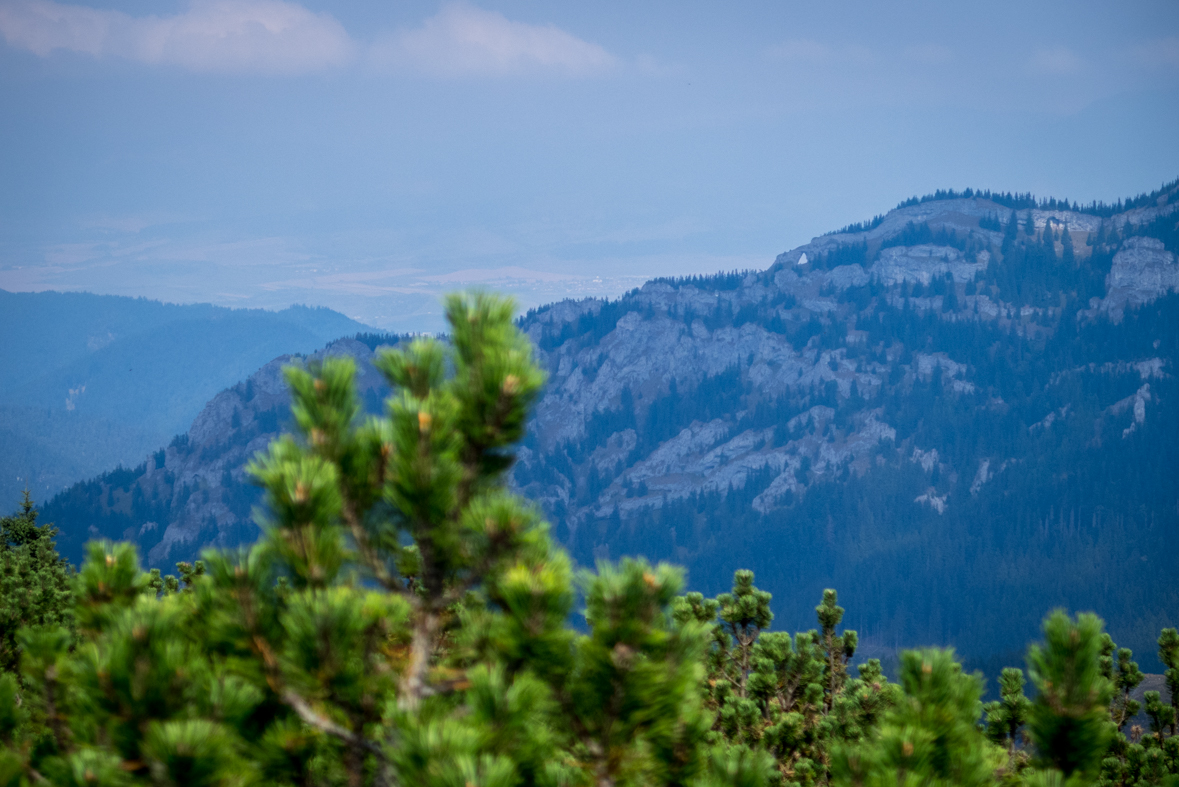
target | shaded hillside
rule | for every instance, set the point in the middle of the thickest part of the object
(92, 381)
(194, 492)
(960, 415)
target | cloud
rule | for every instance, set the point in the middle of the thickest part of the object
(928, 54)
(462, 40)
(1160, 53)
(803, 50)
(1058, 60)
(265, 36)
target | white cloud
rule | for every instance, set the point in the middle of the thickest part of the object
(928, 54)
(1058, 60)
(803, 50)
(462, 40)
(1160, 53)
(267, 36)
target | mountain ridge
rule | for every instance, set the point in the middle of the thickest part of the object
(966, 399)
(95, 380)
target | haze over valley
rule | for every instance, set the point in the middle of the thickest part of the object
(518, 394)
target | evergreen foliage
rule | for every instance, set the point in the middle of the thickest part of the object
(1069, 720)
(35, 582)
(404, 620)
(1024, 201)
(1039, 399)
(179, 356)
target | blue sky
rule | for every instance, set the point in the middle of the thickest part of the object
(369, 155)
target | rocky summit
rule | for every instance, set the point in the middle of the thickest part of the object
(968, 404)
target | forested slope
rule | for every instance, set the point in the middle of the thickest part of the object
(960, 414)
(91, 381)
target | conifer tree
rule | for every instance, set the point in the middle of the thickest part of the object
(1068, 254)
(744, 613)
(34, 580)
(402, 620)
(1007, 715)
(837, 648)
(1161, 715)
(930, 737)
(1049, 240)
(1069, 720)
(1169, 655)
(1010, 233)
(1123, 672)
(785, 711)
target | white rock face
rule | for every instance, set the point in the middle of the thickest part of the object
(1076, 222)
(845, 276)
(1166, 205)
(932, 499)
(924, 364)
(927, 459)
(899, 264)
(666, 337)
(981, 477)
(201, 467)
(1137, 403)
(1142, 271)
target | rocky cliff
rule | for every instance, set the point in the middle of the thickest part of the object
(960, 414)
(759, 324)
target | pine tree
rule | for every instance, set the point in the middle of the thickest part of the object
(403, 620)
(1123, 672)
(1029, 227)
(1169, 655)
(1069, 720)
(1161, 715)
(744, 613)
(1010, 233)
(837, 648)
(787, 709)
(1007, 715)
(931, 736)
(1068, 254)
(34, 580)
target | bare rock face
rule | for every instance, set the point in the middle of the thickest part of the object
(1142, 271)
(901, 264)
(204, 475)
(917, 405)
(806, 351)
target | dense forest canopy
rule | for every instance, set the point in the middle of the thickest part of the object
(93, 381)
(1021, 202)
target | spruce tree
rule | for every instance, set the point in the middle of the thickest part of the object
(1029, 227)
(1068, 254)
(1010, 233)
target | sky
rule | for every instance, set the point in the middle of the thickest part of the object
(368, 156)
